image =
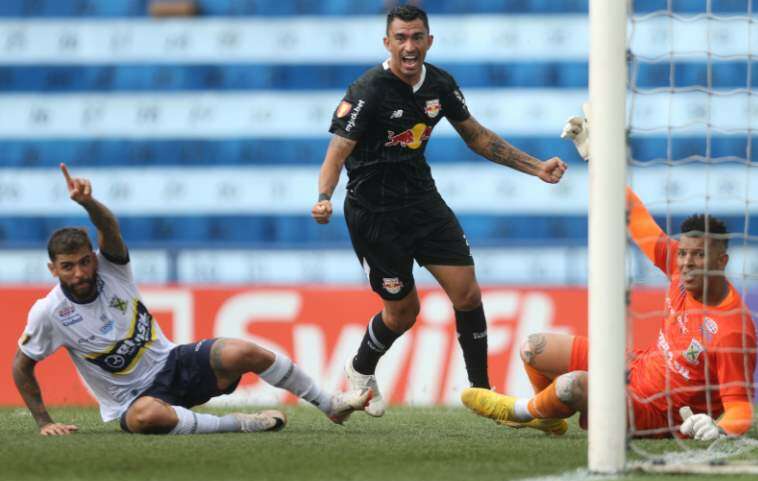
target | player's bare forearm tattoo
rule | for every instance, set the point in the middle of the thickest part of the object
(23, 375)
(492, 147)
(536, 343)
(501, 152)
(471, 131)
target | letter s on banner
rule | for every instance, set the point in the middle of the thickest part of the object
(271, 306)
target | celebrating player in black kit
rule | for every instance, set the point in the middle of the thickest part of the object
(393, 210)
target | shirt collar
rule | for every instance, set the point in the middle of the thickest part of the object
(417, 85)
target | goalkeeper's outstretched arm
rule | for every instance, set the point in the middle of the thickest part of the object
(738, 411)
(645, 232)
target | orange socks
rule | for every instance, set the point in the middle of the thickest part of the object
(546, 405)
(539, 381)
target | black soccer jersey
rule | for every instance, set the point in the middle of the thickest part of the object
(392, 122)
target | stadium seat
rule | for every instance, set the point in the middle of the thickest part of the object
(84, 8)
(226, 8)
(272, 231)
(136, 8)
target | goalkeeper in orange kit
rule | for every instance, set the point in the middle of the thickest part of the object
(703, 361)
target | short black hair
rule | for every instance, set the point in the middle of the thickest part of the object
(67, 240)
(698, 225)
(407, 13)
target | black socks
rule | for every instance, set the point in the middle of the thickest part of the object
(375, 343)
(472, 336)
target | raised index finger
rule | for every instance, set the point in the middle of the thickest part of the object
(64, 169)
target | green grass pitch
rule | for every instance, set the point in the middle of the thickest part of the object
(430, 444)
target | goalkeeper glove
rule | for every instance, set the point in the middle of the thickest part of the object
(698, 426)
(578, 131)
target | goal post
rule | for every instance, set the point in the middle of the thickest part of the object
(607, 237)
(672, 105)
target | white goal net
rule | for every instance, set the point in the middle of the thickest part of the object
(690, 125)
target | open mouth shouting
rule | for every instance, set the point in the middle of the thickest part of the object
(410, 61)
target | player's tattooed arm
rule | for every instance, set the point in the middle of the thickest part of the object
(493, 147)
(26, 383)
(536, 344)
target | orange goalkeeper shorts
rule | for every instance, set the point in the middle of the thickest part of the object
(643, 415)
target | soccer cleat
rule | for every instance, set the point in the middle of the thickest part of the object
(499, 408)
(270, 420)
(359, 382)
(344, 403)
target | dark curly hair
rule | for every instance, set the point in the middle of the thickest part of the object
(698, 225)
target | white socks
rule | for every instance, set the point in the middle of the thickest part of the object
(283, 373)
(521, 410)
(191, 422)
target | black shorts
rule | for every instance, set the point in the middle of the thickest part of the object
(386, 243)
(186, 379)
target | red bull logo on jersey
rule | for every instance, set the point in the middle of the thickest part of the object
(411, 138)
(432, 108)
(393, 285)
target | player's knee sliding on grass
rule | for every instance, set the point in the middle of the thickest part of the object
(134, 371)
(213, 367)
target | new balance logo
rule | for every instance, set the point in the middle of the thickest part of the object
(396, 114)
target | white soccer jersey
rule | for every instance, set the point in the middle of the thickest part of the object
(115, 343)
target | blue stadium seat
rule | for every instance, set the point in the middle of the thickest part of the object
(81, 8)
(733, 74)
(60, 79)
(724, 75)
(299, 231)
(302, 232)
(136, 8)
(146, 77)
(101, 153)
(645, 148)
(695, 6)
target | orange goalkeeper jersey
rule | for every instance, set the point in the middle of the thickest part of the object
(704, 355)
